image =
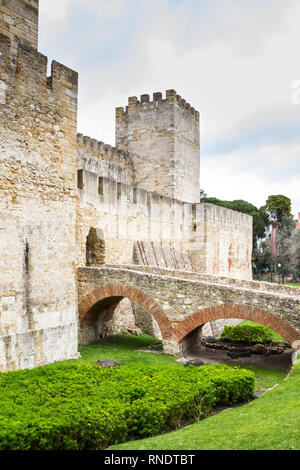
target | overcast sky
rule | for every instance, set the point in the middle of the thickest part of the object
(236, 61)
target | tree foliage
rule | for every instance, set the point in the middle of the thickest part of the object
(288, 248)
(277, 207)
(202, 194)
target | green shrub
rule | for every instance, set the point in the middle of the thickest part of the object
(86, 407)
(254, 333)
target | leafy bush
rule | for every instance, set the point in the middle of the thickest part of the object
(86, 407)
(254, 333)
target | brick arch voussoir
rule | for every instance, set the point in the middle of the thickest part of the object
(132, 293)
(244, 312)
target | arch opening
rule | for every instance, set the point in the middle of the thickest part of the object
(197, 338)
(241, 312)
(109, 316)
(112, 310)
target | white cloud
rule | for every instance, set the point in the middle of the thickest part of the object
(254, 175)
(236, 63)
(59, 10)
(55, 10)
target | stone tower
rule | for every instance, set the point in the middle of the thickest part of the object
(164, 136)
(19, 21)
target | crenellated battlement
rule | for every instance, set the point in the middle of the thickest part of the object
(171, 97)
(91, 184)
(38, 112)
(103, 159)
(29, 66)
(100, 149)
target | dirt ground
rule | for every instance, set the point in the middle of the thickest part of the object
(216, 356)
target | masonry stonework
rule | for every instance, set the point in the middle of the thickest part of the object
(69, 203)
(38, 119)
(180, 305)
(164, 134)
(19, 22)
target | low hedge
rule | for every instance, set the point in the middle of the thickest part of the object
(248, 333)
(86, 407)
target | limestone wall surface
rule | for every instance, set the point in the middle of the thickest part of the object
(38, 118)
(104, 160)
(222, 242)
(163, 134)
(126, 215)
(186, 152)
(149, 229)
(19, 21)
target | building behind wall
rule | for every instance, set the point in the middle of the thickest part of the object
(67, 200)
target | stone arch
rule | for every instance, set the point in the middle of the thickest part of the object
(95, 247)
(244, 312)
(113, 293)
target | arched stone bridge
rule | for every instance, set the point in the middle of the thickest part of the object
(181, 302)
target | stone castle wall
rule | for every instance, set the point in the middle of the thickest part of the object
(125, 215)
(19, 21)
(38, 118)
(104, 160)
(222, 242)
(68, 201)
(148, 229)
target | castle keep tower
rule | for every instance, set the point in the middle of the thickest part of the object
(19, 20)
(164, 135)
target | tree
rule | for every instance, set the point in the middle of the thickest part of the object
(202, 194)
(262, 256)
(277, 207)
(288, 251)
(285, 257)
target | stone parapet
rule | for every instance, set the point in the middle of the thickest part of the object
(217, 280)
(104, 160)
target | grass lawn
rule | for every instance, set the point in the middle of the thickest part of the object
(72, 404)
(292, 284)
(271, 422)
(125, 349)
